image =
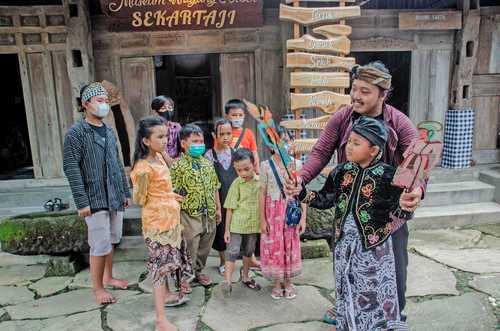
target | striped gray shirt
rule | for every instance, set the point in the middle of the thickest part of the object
(93, 167)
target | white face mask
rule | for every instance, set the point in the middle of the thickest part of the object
(237, 122)
(100, 110)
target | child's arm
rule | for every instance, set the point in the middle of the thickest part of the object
(257, 162)
(264, 227)
(218, 211)
(302, 224)
(323, 199)
(227, 233)
(397, 215)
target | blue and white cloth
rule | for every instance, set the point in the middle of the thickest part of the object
(458, 138)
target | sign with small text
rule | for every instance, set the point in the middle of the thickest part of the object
(437, 20)
(154, 15)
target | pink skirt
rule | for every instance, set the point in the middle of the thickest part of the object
(280, 249)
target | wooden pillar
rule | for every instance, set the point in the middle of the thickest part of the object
(466, 47)
(79, 51)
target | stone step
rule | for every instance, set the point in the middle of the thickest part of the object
(443, 175)
(33, 197)
(440, 194)
(455, 215)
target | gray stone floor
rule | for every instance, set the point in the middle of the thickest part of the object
(453, 284)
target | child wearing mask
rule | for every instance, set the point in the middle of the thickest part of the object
(164, 107)
(194, 177)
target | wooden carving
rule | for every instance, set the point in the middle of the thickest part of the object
(116, 98)
(333, 30)
(329, 102)
(307, 42)
(308, 16)
(318, 123)
(318, 61)
(319, 79)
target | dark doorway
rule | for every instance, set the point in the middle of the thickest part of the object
(193, 82)
(15, 151)
(399, 65)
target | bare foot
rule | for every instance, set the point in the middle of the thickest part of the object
(118, 283)
(103, 297)
(165, 325)
(332, 329)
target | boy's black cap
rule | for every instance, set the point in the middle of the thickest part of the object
(371, 129)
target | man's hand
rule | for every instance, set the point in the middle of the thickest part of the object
(264, 227)
(84, 212)
(409, 201)
(227, 237)
(127, 203)
(293, 186)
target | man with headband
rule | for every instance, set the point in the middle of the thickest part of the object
(99, 186)
(371, 85)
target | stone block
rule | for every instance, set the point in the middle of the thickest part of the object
(312, 249)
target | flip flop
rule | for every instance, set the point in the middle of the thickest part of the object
(203, 280)
(48, 205)
(226, 288)
(178, 302)
(252, 284)
(330, 316)
(277, 294)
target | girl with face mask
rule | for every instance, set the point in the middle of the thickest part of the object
(164, 107)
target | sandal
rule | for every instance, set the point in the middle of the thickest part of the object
(186, 288)
(203, 280)
(48, 205)
(277, 293)
(251, 284)
(226, 288)
(290, 292)
(330, 316)
(221, 269)
(181, 299)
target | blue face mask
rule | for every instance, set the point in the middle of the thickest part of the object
(196, 150)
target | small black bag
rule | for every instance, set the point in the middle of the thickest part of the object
(293, 212)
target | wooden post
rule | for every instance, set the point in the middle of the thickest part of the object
(296, 35)
(466, 46)
(79, 51)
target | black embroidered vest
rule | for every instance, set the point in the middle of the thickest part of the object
(367, 194)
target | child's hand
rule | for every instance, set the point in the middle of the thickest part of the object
(227, 237)
(178, 197)
(301, 228)
(218, 216)
(264, 227)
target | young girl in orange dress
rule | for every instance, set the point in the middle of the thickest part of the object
(161, 225)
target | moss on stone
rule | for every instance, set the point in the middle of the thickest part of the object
(44, 233)
(319, 224)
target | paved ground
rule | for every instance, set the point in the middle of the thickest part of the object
(454, 284)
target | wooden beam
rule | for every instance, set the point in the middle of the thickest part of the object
(466, 49)
(341, 45)
(79, 47)
(319, 79)
(318, 61)
(329, 102)
(309, 16)
(333, 30)
(291, 1)
(304, 146)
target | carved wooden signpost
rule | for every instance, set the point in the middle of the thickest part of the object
(150, 15)
(309, 16)
(437, 20)
(307, 42)
(317, 61)
(327, 101)
(325, 49)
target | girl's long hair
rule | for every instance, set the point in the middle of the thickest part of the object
(144, 131)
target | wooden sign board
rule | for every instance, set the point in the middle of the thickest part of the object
(436, 20)
(307, 42)
(319, 79)
(318, 61)
(309, 16)
(128, 15)
(304, 146)
(329, 102)
(318, 123)
(333, 30)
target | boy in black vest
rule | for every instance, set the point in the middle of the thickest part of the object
(367, 212)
